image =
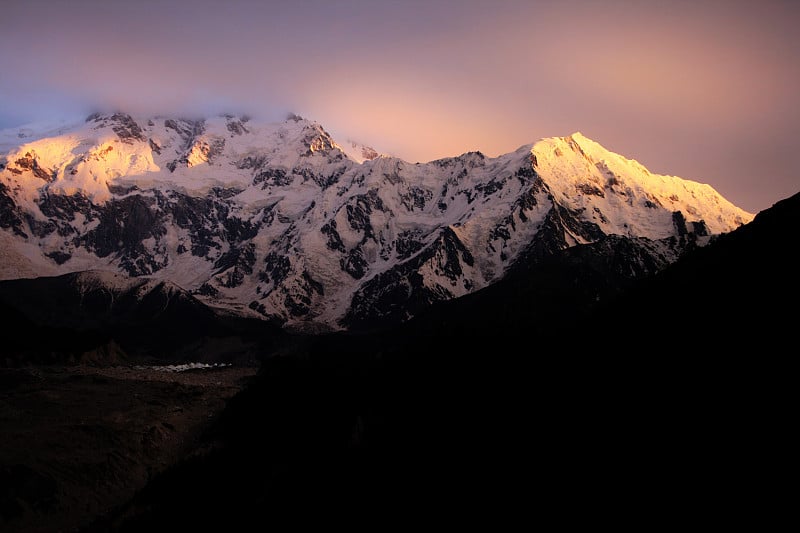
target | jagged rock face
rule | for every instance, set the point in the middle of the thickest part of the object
(278, 221)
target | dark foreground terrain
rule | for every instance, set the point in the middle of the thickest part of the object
(566, 393)
(562, 394)
(79, 441)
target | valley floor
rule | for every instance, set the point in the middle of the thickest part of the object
(76, 442)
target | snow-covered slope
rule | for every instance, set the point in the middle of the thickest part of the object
(359, 152)
(582, 173)
(278, 220)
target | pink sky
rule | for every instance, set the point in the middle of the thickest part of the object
(703, 90)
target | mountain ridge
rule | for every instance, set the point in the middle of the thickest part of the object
(276, 220)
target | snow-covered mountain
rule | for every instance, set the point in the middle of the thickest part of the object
(278, 220)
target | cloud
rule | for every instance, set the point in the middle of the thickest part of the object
(676, 85)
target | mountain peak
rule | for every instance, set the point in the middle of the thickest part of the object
(581, 172)
(278, 220)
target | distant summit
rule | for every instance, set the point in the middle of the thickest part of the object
(279, 221)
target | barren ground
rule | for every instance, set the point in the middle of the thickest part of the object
(77, 441)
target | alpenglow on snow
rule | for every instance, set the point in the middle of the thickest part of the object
(277, 220)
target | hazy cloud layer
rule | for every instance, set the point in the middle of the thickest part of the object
(704, 90)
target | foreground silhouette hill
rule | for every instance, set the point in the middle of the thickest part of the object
(585, 396)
